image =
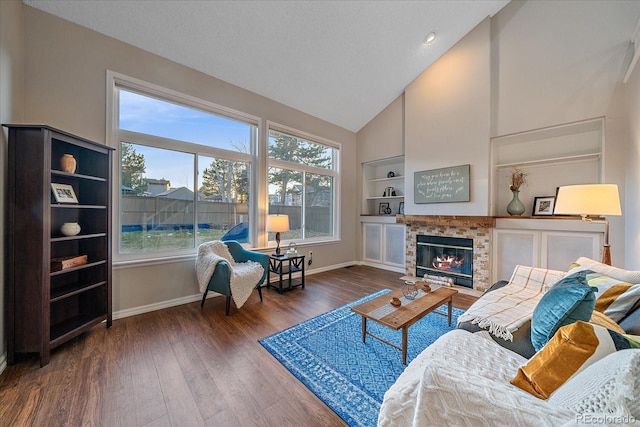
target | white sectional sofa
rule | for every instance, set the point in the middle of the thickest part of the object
(465, 378)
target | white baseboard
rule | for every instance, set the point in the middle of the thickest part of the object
(120, 314)
(157, 306)
(384, 267)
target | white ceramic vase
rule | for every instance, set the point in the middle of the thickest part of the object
(70, 228)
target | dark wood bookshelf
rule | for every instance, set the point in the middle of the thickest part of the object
(47, 308)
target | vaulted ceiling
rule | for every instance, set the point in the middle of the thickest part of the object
(340, 61)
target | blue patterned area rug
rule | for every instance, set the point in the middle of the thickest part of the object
(327, 354)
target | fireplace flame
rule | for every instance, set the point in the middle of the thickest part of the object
(447, 262)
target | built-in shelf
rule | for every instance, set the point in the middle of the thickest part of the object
(385, 197)
(568, 153)
(376, 182)
(395, 178)
(565, 159)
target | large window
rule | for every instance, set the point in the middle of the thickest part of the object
(185, 174)
(302, 184)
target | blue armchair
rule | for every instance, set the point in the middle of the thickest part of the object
(220, 280)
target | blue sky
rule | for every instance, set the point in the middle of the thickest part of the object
(151, 116)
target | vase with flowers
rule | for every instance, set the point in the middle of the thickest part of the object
(518, 179)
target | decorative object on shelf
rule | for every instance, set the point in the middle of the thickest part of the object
(515, 206)
(382, 208)
(62, 263)
(442, 185)
(543, 206)
(518, 179)
(409, 289)
(70, 229)
(426, 288)
(63, 193)
(590, 200)
(391, 174)
(401, 208)
(395, 302)
(278, 223)
(68, 163)
(388, 192)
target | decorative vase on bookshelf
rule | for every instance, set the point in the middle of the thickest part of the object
(70, 228)
(515, 206)
(68, 163)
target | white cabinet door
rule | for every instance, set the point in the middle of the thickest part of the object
(553, 249)
(383, 245)
(513, 247)
(394, 244)
(372, 242)
(558, 249)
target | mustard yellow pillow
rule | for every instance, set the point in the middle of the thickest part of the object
(572, 349)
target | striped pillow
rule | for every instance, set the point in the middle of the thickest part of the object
(573, 348)
(603, 320)
(614, 297)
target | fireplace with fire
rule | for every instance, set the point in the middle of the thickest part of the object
(448, 257)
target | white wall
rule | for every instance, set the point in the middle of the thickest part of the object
(447, 120)
(535, 64)
(632, 199)
(555, 63)
(65, 75)
(383, 136)
(12, 60)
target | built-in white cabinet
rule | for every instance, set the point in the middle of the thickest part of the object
(547, 243)
(383, 243)
(383, 186)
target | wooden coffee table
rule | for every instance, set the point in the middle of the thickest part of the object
(404, 316)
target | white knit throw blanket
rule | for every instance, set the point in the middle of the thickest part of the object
(504, 310)
(244, 275)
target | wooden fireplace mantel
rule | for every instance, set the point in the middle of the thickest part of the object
(448, 220)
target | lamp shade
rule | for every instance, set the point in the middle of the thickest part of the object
(590, 199)
(278, 223)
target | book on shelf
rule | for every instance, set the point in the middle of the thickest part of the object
(62, 263)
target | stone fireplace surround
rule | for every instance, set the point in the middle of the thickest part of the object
(477, 228)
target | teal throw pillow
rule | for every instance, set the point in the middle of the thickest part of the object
(569, 300)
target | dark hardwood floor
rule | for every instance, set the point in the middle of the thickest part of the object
(186, 366)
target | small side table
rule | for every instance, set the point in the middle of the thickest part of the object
(283, 265)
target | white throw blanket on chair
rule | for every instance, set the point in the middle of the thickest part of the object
(244, 275)
(504, 310)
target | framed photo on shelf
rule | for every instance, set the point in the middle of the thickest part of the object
(543, 206)
(383, 209)
(401, 208)
(63, 193)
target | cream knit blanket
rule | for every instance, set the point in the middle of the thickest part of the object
(244, 275)
(505, 310)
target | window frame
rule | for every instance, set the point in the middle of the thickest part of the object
(334, 172)
(117, 81)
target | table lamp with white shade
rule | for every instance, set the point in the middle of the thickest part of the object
(278, 223)
(590, 200)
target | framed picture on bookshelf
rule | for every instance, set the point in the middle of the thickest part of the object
(63, 193)
(401, 208)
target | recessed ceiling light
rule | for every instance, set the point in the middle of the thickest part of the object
(429, 38)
